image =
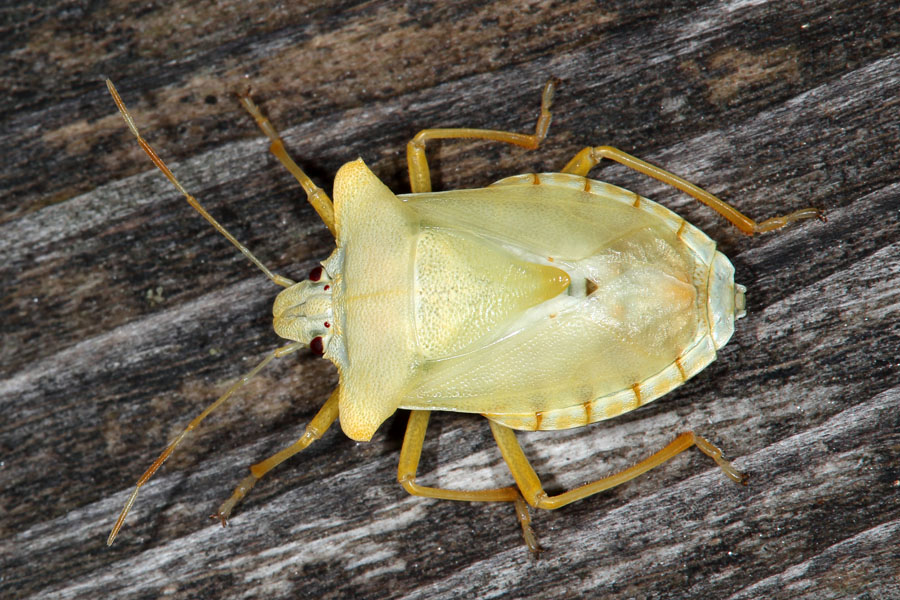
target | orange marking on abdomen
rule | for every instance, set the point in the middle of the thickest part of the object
(681, 369)
(636, 388)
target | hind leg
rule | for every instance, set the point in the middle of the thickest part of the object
(585, 160)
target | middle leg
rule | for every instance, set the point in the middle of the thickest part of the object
(419, 176)
(411, 452)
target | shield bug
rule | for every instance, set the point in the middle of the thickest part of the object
(542, 302)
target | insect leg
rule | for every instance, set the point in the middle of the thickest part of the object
(314, 430)
(314, 194)
(585, 160)
(535, 495)
(419, 176)
(409, 464)
(278, 353)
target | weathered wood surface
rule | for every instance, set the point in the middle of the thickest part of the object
(123, 313)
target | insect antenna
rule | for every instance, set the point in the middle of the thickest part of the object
(277, 353)
(280, 280)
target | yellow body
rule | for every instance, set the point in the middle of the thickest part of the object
(543, 301)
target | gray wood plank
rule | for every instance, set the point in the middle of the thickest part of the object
(123, 314)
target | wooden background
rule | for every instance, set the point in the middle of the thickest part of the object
(123, 313)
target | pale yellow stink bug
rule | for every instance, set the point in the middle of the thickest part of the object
(543, 301)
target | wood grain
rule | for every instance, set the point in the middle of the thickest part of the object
(123, 314)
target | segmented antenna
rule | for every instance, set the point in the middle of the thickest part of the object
(280, 280)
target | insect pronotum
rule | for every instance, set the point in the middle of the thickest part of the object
(543, 301)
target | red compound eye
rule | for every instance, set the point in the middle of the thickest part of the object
(317, 346)
(315, 274)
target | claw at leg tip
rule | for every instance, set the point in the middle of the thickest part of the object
(220, 517)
